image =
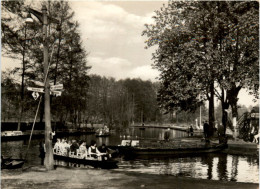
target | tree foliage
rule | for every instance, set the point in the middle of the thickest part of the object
(209, 48)
(68, 59)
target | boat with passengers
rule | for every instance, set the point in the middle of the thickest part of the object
(81, 155)
(94, 162)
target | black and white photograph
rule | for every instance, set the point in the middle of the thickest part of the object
(121, 94)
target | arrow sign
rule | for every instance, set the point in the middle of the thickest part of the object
(55, 93)
(57, 87)
(39, 90)
(39, 83)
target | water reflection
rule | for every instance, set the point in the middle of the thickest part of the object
(234, 166)
(155, 133)
(222, 167)
(211, 166)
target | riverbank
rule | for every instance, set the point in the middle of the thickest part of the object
(62, 177)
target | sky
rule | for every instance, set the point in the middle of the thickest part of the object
(111, 32)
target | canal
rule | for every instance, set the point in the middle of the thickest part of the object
(214, 166)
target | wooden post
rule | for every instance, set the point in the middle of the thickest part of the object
(48, 161)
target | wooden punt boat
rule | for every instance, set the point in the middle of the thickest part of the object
(94, 162)
(168, 149)
(12, 163)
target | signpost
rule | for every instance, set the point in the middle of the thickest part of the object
(56, 90)
(56, 93)
(39, 90)
(57, 87)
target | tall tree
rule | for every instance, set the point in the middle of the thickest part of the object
(191, 37)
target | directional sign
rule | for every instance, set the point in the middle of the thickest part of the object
(57, 87)
(56, 93)
(39, 83)
(39, 90)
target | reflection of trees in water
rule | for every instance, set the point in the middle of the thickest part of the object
(156, 133)
(103, 140)
(208, 160)
(222, 166)
(166, 168)
(252, 160)
(234, 168)
(179, 166)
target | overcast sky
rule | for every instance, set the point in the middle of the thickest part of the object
(111, 33)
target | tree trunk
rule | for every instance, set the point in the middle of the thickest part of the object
(22, 85)
(211, 110)
(48, 161)
(224, 118)
(42, 110)
(20, 115)
(232, 99)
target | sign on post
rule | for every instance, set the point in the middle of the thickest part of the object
(55, 93)
(35, 95)
(39, 90)
(57, 87)
(39, 83)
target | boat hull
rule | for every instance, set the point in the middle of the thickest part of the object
(138, 151)
(105, 164)
(103, 135)
(12, 164)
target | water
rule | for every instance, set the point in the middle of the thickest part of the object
(211, 166)
(215, 166)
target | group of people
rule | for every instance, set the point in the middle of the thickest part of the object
(103, 130)
(73, 147)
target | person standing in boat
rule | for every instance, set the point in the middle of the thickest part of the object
(167, 135)
(206, 129)
(93, 151)
(42, 152)
(191, 131)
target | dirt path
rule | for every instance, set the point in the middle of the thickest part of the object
(89, 178)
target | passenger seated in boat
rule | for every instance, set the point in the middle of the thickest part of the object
(106, 129)
(104, 152)
(56, 147)
(69, 143)
(83, 150)
(64, 146)
(74, 146)
(93, 151)
(256, 138)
